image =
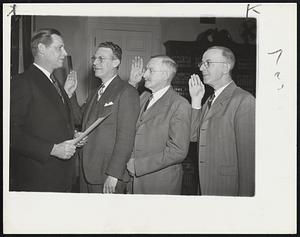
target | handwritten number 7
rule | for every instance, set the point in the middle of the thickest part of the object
(279, 55)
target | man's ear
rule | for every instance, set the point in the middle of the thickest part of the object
(41, 48)
(116, 62)
(166, 75)
(226, 67)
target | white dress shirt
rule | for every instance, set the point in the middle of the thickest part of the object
(219, 91)
(44, 71)
(106, 84)
(157, 95)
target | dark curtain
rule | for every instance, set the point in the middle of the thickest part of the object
(16, 38)
(27, 55)
(14, 51)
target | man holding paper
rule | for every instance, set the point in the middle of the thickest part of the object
(42, 124)
(104, 157)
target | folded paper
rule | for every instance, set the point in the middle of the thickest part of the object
(89, 129)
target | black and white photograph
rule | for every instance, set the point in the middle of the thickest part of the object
(127, 118)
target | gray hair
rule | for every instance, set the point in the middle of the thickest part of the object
(169, 63)
(226, 53)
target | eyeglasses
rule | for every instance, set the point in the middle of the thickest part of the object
(152, 70)
(206, 64)
(101, 59)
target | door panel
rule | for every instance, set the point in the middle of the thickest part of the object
(132, 43)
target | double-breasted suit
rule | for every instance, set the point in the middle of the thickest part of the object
(226, 137)
(110, 145)
(38, 120)
(161, 144)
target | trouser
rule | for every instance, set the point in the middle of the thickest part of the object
(86, 187)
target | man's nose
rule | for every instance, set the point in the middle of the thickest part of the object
(145, 74)
(201, 68)
(65, 52)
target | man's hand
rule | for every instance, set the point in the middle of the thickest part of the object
(197, 90)
(83, 141)
(137, 71)
(71, 83)
(110, 184)
(64, 150)
(130, 166)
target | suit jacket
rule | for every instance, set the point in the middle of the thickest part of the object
(109, 146)
(161, 144)
(38, 120)
(226, 137)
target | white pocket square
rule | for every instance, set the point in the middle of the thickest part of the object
(108, 104)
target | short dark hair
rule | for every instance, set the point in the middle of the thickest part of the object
(117, 51)
(42, 36)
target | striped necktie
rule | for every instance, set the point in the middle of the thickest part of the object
(210, 100)
(100, 91)
(56, 85)
(148, 101)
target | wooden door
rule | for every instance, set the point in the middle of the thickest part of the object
(133, 43)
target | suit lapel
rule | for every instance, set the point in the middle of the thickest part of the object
(156, 108)
(48, 89)
(204, 113)
(89, 108)
(64, 107)
(143, 99)
(220, 101)
(108, 95)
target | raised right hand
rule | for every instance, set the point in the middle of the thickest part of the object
(71, 83)
(196, 89)
(64, 150)
(137, 71)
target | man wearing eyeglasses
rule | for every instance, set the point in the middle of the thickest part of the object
(104, 158)
(224, 128)
(162, 130)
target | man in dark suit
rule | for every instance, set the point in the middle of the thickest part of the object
(104, 157)
(224, 128)
(42, 124)
(163, 130)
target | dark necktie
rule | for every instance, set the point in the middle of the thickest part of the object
(148, 101)
(100, 91)
(210, 100)
(56, 85)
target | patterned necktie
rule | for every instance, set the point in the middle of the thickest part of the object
(148, 101)
(210, 100)
(56, 85)
(100, 91)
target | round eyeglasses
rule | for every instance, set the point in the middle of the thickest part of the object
(206, 64)
(151, 70)
(100, 59)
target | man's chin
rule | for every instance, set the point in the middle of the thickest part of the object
(205, 80)
(146, 85)
(98, 74)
